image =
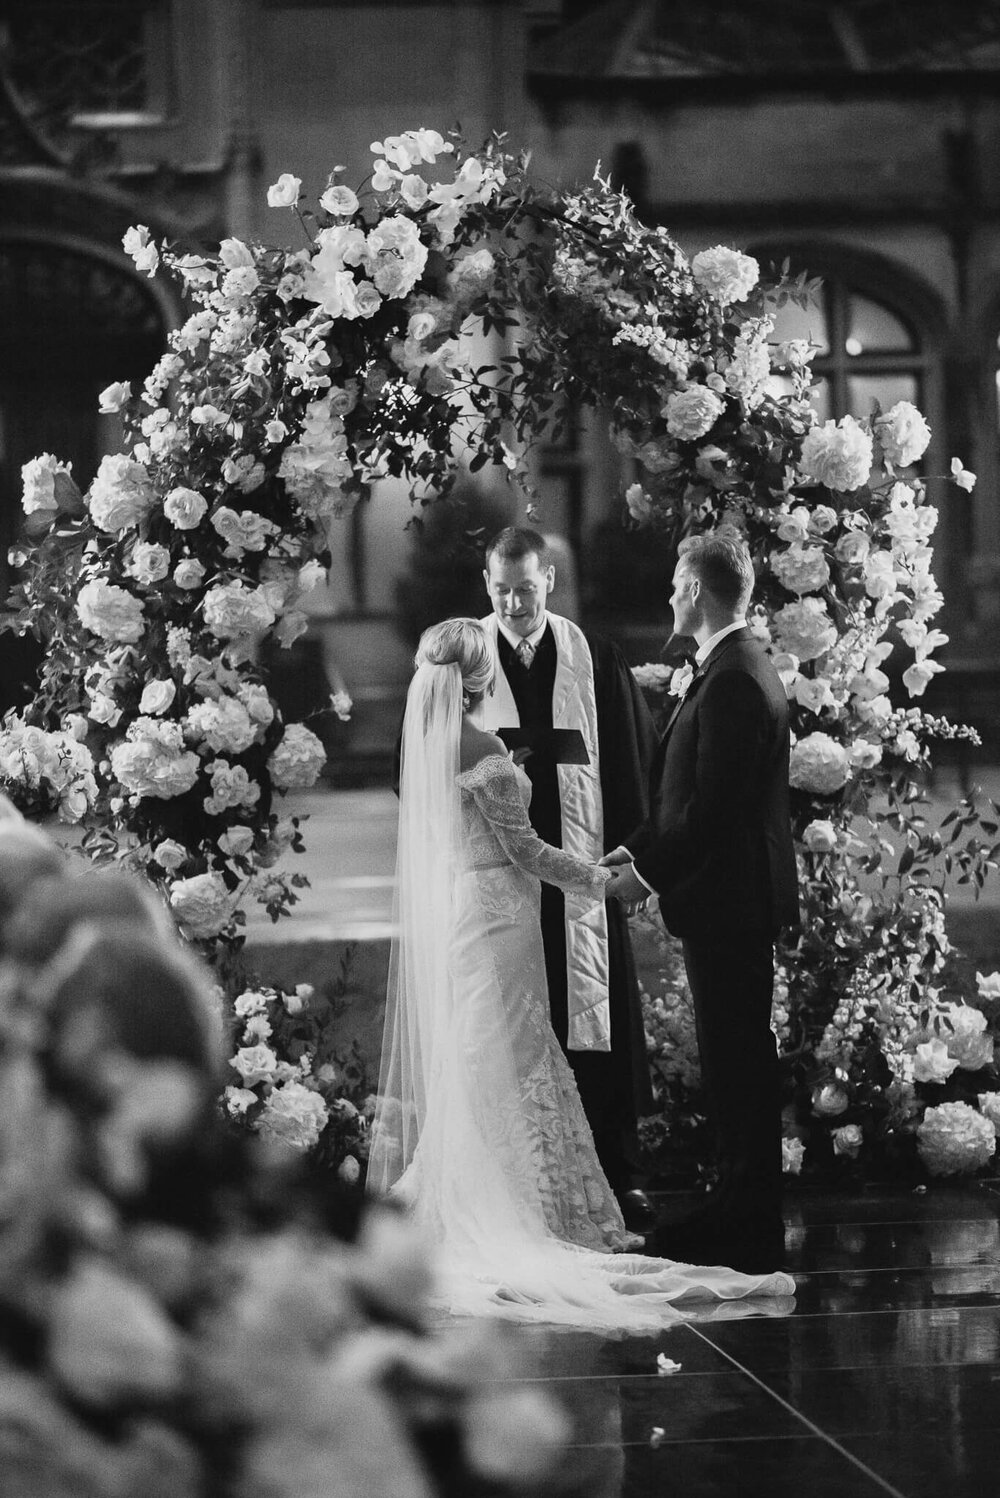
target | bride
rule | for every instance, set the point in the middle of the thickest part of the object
(479, 1130)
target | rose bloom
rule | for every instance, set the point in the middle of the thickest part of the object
(820, 837)
(822, 519)
(727, 275)
(847, 1140)
(188, 573)
(395, 255)
(692, 413)
(236, 841)
(149, 564)
(256, 1063)
(293, 1114)
(933, 1063)
(954, 1139)
(829, 1101)
(185, 508)
(837, 454)
(121, 494)
(805, 629)
(298, 758)
(231, 787)
(246, 531)
(989, 1107)
(853, 548)
(170, 855)
(110, 612)
(864, 755)
(813, 695)
(285, 192)
(157, 695)
(966, 1040)
(903, 433)
(818, 764)
(43, 478)
(801, 569)
(233, 609)
(201, 904)
(988, 985)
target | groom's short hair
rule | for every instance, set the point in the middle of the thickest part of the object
(514, 543)
(723, 567)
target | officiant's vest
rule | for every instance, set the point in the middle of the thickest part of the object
(574, 705)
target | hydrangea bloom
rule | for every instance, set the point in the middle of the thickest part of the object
(954, 1139)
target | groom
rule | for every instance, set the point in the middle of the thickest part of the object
(717, 849)
(569, 703)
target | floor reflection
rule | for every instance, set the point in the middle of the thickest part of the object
(882, 1376)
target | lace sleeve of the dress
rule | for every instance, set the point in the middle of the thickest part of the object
(493, 785)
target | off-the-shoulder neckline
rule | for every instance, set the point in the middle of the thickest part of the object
(485, 760)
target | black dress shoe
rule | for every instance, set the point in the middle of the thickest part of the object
(638, 1211)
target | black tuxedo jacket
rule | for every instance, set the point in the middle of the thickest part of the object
(717, 846)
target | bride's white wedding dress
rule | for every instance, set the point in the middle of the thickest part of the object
(485, 1139)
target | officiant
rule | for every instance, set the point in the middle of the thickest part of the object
(568, 706)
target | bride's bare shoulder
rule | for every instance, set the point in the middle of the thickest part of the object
(477, 744)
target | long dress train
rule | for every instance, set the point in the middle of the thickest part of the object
(501, 1174)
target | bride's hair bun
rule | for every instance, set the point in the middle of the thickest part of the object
(465, 644)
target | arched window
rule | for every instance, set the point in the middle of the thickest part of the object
(867, 350)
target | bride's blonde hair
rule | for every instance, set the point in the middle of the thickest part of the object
(463, 643)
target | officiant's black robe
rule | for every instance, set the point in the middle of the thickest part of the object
(614, 1086)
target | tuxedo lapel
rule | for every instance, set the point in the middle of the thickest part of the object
(695, 682)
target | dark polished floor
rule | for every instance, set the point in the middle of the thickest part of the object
(883, 1379)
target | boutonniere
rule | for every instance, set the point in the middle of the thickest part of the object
(681, 680)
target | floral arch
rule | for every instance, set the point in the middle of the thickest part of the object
(301, 377)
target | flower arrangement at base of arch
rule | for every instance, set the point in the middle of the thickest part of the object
(305, 375)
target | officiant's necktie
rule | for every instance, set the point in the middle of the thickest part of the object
(526, 653)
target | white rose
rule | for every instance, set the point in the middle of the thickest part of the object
(256, 1063)
(149, 563)
(818, 764)
(933, 1063)
(349, 1171)
(829, 1101)
(236, 841)
(113, 397)
(847, 1141)
(285, 192)
(837, 454)
(864, 755)
(954, 1139)
(170, 855)
(275, 431)
(692, 413)
(903, 433)
(813, 695)
(988, 985)
(820, 837)
(185, 508)
(235, 255)
(989, 1107)
(822, 519)
(853, 548)
(340, 202)
(801, 569)
(963, 1029)
(961, 476)
(298, 758)
(110, 612)
(121, 494)
(202, 905)
(188, 573)
(46, 482)
(727, 275)
(157, 696)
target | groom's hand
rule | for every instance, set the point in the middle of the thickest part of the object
(625, 884)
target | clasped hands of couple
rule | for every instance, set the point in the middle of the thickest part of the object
(624, 884)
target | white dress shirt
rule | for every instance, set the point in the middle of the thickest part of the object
(515, 640)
